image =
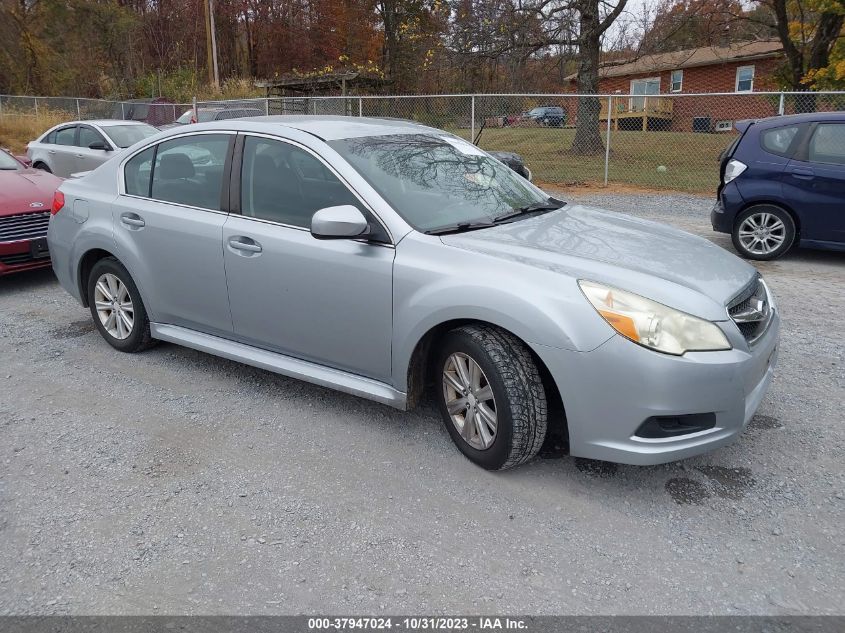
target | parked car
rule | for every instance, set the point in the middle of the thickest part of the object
(783, 185)
(213, 114)
(514, 161)
(83, 145)
(153, 111)
(379, 256)
(553, 116)
(25, 198)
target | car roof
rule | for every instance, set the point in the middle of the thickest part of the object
(787, 119)
(328, 128)
(102, 122)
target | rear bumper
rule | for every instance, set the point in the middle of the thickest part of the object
(728, 204)
(608, 394)
(15, 257)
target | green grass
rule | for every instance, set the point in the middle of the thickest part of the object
(691, 160)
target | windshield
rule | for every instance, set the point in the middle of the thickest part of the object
(7, 162)
(126, 135)
(435, 181)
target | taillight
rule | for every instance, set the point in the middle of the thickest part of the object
(58, 202)
(733, 169)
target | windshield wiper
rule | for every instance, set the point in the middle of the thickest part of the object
(460, 227)
(552, 204)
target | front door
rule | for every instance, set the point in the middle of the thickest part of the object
(815, 180)
(324, 301)
(86, 158)
(168, 226)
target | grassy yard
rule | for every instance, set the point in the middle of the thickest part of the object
(16, 130)
(690, 160)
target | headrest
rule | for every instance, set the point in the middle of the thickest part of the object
(174, 166)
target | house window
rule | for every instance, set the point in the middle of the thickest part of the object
(745, 79)
(677, 81)
(639, 87)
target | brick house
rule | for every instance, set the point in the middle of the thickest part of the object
(649, 81)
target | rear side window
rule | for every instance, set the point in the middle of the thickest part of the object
(189, 170)
(828, 144)
(778, 140)
(66, 136)
(137, 173)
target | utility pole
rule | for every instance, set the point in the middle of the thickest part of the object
(211, 44)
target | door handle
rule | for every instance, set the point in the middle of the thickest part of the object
(132, 220)
(802, 173)
(240, 243)
(79, 156)
(51, 151)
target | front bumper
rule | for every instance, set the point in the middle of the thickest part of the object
(609, 392)
(16, 257)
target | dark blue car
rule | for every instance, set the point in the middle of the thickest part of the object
(783, 185)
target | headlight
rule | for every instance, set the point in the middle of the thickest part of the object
(653, 324)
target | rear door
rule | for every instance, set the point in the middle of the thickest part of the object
(815, 183)
(168, 224)
(62, 154)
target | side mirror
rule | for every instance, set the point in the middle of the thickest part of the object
(99, 145)
(338, 223)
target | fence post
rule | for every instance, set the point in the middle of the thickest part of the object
(360, 106)
(78, 115)
(267, 106)
(122, 111)
(314, 103)
(472, 119)
(196, 116)
(607, 143)
(36, 105)
(780, 105)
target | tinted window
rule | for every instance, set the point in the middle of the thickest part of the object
(66, 136)
(88, 135)
(7, 162)
(189, 170)
(137, 172)
(50, 138)
(828, 144)
(777, 141)
(126, 135)
(286, 184)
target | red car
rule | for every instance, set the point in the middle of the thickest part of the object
(25, 198)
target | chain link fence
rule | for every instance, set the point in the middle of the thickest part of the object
(670, 142)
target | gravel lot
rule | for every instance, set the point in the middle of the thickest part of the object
(175, 482)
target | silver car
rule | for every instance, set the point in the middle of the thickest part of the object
(80, 146)
(389, 260)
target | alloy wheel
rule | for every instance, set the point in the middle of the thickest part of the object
(114, 306)
(762, 233)
(469, 401)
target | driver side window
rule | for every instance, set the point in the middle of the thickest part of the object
(286, 184)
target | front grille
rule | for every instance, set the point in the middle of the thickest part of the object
(24, 226)
(18, 258)
(751, 310)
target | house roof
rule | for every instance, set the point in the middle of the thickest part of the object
(704, 56)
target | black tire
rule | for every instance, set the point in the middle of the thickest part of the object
(520, 399)
(43, 167)
(781, 214)
(139, 337)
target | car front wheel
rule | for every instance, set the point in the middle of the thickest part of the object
(763, 232)
(116, 307)
(491, 396)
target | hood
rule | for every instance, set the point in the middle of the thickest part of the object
(23, 188)
(622, 251)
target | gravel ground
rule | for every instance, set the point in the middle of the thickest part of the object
(175, 482)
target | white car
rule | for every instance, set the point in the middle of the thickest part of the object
(84, 145)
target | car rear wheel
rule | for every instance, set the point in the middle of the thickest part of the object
(491, 396)
(763, 232)
(116, 307)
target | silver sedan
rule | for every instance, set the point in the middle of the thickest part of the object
(389, 260)
(80, 146)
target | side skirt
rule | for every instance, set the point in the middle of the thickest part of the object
(281, 364)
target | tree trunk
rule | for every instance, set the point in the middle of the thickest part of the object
(587, 140)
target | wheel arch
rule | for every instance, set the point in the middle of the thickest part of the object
(419, 374)
(86, 264)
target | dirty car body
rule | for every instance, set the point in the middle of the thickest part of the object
(452, 251)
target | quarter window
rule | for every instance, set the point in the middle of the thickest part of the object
(677, 80)
(828, 144)
(189, 170)
(286, 184)
(777, 141)
(745, 79)
(137, 173)
(66, 136)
